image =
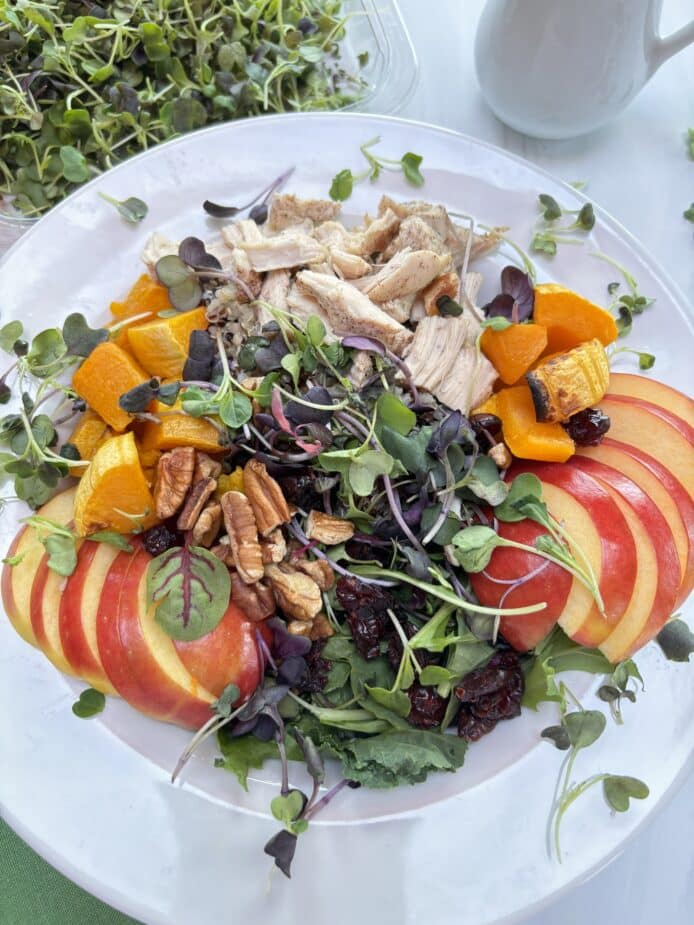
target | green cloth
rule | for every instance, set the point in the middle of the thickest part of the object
(33, 893)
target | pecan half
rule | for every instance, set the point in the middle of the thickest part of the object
(243, 535)
(501, 455)
(208, 525)
(318, 569)
(274, 547)
(257, 600)
(198, 497)
(321, 628)
(266, 498)
(298, 595)
(327, 529)
(206, 467)
(300, 628)
(222, 550)
(174, 478)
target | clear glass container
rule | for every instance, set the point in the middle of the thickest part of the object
(390, 71)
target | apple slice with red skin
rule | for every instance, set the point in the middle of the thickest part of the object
(516, 578)
(658, 581)
(665, 414)
(650, 390)
(598, 530)
(633, 422)
(229, 654)
(666, 493)
(17, 580)
(77, 615)
(44, 607)
(144, 664)
(164, 691)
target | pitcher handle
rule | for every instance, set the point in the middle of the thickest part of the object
(663, 48)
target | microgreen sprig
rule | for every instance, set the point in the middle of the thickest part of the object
(343, 182)
(548, 235)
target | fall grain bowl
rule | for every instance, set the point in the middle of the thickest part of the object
(324, 505)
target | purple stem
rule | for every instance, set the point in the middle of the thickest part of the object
(457, 586)
(265, 652)
(327, 503)
(326, 799)
(335, 566)
(407, 373)
(394, 503)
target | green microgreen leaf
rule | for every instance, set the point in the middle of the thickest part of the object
(132, 209)
(550, 206)
(394, 414)
(341, 186)
(676, 641)
(79, 337)
(689, 213)
(192, 588)
(75, 167)
(10, 334)
(620, 790)
(235, 410)
(410, 167)
(91, 702)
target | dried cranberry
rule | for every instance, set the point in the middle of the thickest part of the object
(365, 551)
(491, 677)
(317, 669)
(366, 607)
(490, 694)
(587, 428)
(487, 429)
(428, 708)
(298, 489)
(472, 728)
(158, 539)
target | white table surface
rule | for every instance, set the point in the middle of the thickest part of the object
(637, 169)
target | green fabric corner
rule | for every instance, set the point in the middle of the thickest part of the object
(34, 893)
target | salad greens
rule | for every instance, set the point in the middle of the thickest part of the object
(85, 86)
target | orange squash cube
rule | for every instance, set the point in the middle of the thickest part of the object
(103, 377)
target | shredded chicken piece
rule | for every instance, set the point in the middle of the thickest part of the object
(335, 235)
(348, 266)
(302, 305)
(274, 291)
(379, 232)
(399, 309)
(406, 273)
(156, 247)
(444, 360)
(351, 312)
(284, 251)
(416, 234)
(362, 369)
(234, 260)
(287, 209)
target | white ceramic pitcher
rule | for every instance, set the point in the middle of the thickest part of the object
(560, 68)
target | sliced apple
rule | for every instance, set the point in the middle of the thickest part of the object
(138, 657)
(658, 579)
(599, 532)
(44, 607)
(633, 421)
(515, 578)
(666, 493)
(229, 654)
(645, 389)
(17, 580)
(78, 612)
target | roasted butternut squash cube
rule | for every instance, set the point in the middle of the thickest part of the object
(178, 430)
(104, 376)
(569, 382)
(161, 346)
(146, 295)
(570, 319)
(231, 482)
(513, 350)
(89, 433)
(523, 435)
(113, 493)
